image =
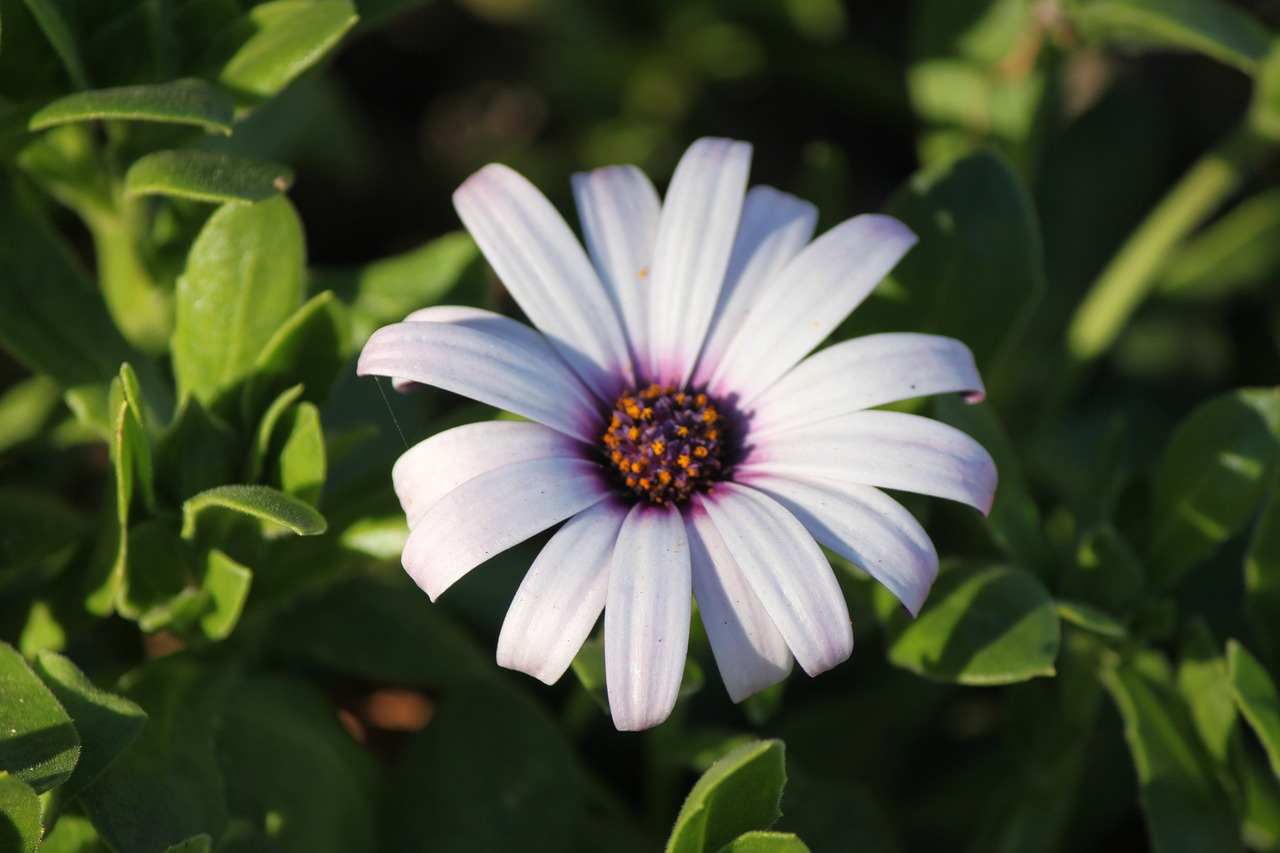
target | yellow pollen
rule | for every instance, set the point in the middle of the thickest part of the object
(658, 448)
(700, 451)
(664, 476)
(645, 484)
(709, 416)
(633, 433)
(683, 432)
(637, 467)
(701, 399)
(683, 461)
(712, 434)
(647, 413)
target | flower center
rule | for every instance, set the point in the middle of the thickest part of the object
(663, 445)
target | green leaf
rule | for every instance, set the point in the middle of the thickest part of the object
(976, 272)
(207, 176)
(1264, 111)
(740, 793)
(38, 743)
(186, 101)
(201, 843)
(1108, 572)
(289, 37)
(62, 36)
(1240, 250)
(199, 451)
(1212, 27)
(107, 723)
(300, 465)
(300, 776)
(260, 502)
(1202, 681)
(157, 569)
(20, 827)
(377, 631)
(1186, 809)
(1091, 619)
(310, 348)
(34, 526)
(227, 584)
(25, 408)
(243, 280)
(1215, 471)
(1256, 696)
(490, 772)
(52, 318)
(266, 430)
(1262, 575)
(765, 842)
(167, 786)
(72, 833)
(981, 625)
(1014, 520)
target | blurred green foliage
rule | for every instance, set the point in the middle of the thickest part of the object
(206, 207)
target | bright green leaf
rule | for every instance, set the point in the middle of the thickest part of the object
(289, 37)
(260, 502)
(381, 538)
(765, 842)
(243, 280)
(167, 786)
(1202, 681)
(298, 768)
(227, 584)
(20, 827)
(490, 772)
(72, 833)
(1215, 471)
(740, 793)
(1090, 618)
(1186, 809)
(310, 348)
(1264, 112)
(207, 176)
(983, 625)
(1237, 251)
(1256, 696)
(187, 101)
(38, 743)
(63, 38)
(300, 466)
(1212, 27)
(266, 430)
(25, 408)
(107, 723)
(976, 271)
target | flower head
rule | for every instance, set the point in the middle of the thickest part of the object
(676, 428)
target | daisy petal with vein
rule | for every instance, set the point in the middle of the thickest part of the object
(677, 433)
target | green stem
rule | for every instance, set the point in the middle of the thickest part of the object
(1133, 272)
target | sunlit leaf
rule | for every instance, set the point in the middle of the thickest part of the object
(1257, 698)
(243, 280)
(310, 348)
(38, 743)
(289, 37)
(207, 176)
(187, 101)
(1215, 471)
(1184, 803)
(107, 723)
(260, 502)
(227, 584)
(765, 842)
(981, 625)
(740, 793)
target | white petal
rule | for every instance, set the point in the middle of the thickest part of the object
(562, 595)
(695, 237)
(866, 527)
(646, 618)
(807, 300)
(750, 653)
(863, 373)
(437, 465)
(536, 256)
(775, 226)
(891, 450)
(489, 358)
(619, 210)
(788, 572)
(491, 512)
